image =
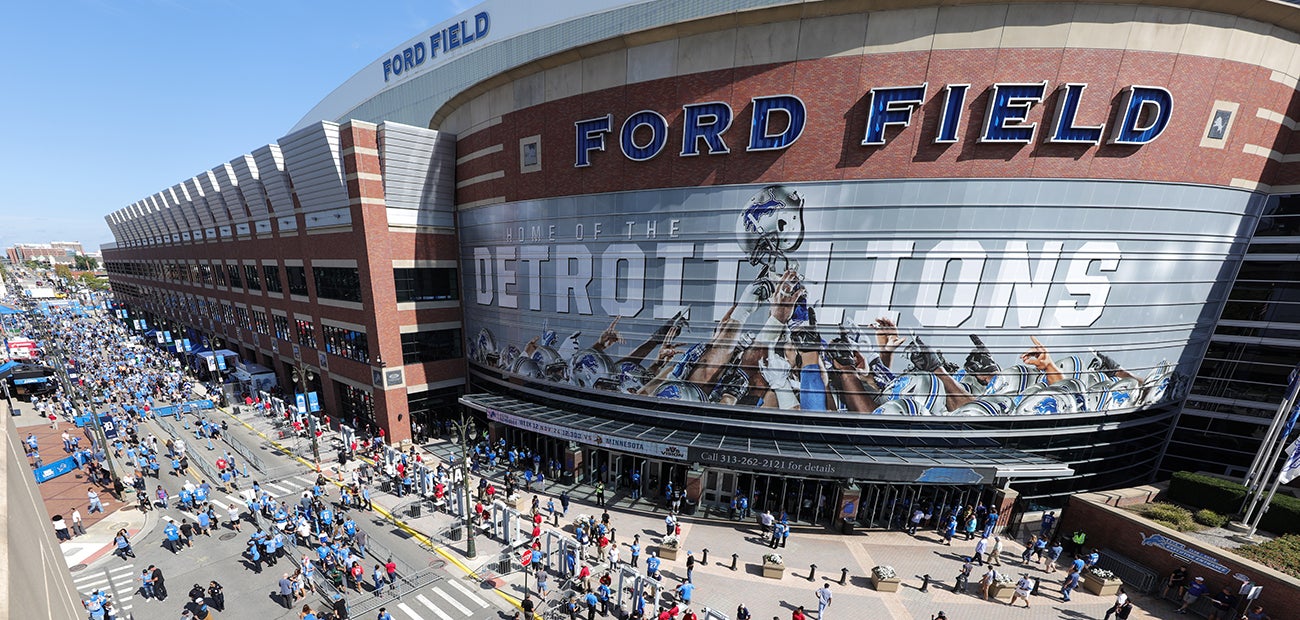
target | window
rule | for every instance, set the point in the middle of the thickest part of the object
(430, 346)
(426, 284)
(232, 272)
(251, 275)
(220, 275)
(341, 283)
(272, 275)
(297, 277)
(228, 314)
(358, 405)
(306, 333)
(259, 322)
(241, 314)
(346, 343)
(281, 326)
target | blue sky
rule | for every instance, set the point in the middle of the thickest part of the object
(106, 102)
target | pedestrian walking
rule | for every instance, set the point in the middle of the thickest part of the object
(1023, 587)
(286, 591)
(1069, 584)
(159, 582)
(823, 600)
(95, 504)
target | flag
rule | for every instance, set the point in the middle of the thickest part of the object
(1292, 383)
(1291, 467)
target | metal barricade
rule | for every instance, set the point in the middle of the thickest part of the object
(1134, 575)
(250, 457)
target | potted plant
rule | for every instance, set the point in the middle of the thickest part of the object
(884, 579)
(1101, 582)
(773, 566)
(668, 547)
(1002, 587)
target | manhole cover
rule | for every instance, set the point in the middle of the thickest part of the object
(228, 536)
(436, 563)
(78, 568)
(121, 525)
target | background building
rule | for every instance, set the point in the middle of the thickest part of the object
(54, 253)
(836, 259)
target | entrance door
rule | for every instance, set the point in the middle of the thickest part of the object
(719, 488)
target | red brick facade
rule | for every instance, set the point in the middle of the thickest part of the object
(1121, 531)
(836, 93)
(369, 242)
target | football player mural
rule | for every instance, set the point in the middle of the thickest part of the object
(769, 349)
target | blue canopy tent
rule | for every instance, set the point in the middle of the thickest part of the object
(6, 310)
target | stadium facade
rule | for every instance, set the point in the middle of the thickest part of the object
(834, 256)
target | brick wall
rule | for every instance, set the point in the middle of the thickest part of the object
(1121, 531)
(836, 93)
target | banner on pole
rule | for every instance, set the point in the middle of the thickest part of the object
(1291, 467)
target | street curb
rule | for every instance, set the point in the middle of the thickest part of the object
(424, 539)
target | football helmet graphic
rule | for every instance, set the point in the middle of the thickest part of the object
(680, 390)
(485, 348)
(987, 406)
(980, 360)
(1039, 400)
(1119, 394)
(628, 377)
(902, 406)
(508, 358)
(1160, 384)
(528, 367)
(588, 367)
(771, 226)
(553, 366)
(921, 387)
(1012, 381)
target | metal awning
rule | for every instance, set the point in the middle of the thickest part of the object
(830, 459)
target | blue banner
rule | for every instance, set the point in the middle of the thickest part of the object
(53, 470)
(313, 401)
(221, 361)
(301, 401)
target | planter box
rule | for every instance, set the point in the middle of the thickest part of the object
(1002, 591)
(773, 571)
(668, 553)
(1099, 587)
(884, 585)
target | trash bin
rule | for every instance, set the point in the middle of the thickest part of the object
(455, 533)
(503, 565)
(413, 511)
(689, 506)
(386, 486)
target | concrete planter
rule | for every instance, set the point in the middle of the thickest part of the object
(668, 552)
(1002, 592)
(1100, 587)
(772, 570)
(884, 585)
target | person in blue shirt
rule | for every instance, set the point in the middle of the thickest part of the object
(603, 593)
(652, 566)
(591, 601)
(173, 534)
(636, 551)
(205, 522)
(684, 590)
(384, 615)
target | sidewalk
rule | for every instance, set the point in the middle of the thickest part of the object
(721, 588)
(67, 492)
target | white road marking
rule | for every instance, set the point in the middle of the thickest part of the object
(467, 592)
(434, 608)
(451, 601)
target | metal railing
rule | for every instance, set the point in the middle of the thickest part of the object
(244, 451)
(1134, 575)
(194, 460)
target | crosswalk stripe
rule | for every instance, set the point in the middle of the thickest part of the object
(410, 612)
(119, 569)
(427, 603)
(276, 487)
(469, 593)
(451, 601)
(305, 480)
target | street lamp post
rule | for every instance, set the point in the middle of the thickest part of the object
(301, 376)
(467, 432)
(213, 346)
(78, 394)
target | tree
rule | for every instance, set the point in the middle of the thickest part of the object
(63, 271)
(85, 263)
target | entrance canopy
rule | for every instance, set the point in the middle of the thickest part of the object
(940, 465)
(6, 310)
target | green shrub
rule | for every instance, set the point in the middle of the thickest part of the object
(1221, 496)
(1280, 553)
(1175, 517)
(1205, 516)
(1283, 516)
(1227, 498)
